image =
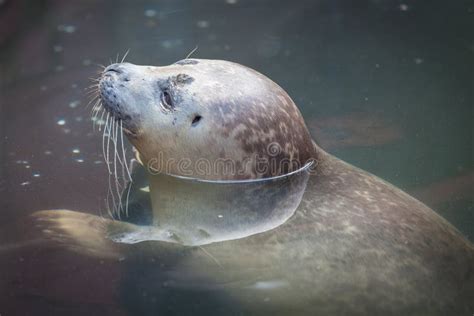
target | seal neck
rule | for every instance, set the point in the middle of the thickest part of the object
(195, 212)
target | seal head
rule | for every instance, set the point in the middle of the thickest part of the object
(209, 119)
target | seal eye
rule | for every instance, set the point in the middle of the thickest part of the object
(196, 120)
(166, 100)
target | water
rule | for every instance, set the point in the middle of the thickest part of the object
(384, 85)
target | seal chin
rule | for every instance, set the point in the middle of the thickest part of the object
(110, 86)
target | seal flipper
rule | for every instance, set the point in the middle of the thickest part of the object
(83, 233)
(97, 236)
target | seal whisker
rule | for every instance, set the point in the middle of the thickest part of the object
(211, 256)
(96, 107)
(108, 142)
(127, 198)
(114, 172)
(126, 176)
(123, 151)
(94, 102)
(93, 98)
(103, 142)
(125, 56)
(107, 205)
(93, 79)
(94, 86)
(192, 52)
(111, 193)
(93, 91)
(94, 111)
(93, 119)
(101, 120)
(115, 141)
(116, 156)
(93, 95)
(101, 213)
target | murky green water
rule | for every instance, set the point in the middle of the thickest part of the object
(384, 85)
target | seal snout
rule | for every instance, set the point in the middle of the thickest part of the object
(114, 90)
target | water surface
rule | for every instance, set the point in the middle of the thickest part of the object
(384, 85)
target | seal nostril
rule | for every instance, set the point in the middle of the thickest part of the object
(114, 70)
(117, 68)
(196, 120)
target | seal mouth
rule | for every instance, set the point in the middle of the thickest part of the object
(129, 132)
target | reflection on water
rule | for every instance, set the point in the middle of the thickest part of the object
(198, 212)
(402, 67)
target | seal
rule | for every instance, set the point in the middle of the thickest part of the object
(354, 245)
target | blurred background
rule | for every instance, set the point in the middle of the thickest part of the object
(385, 85)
